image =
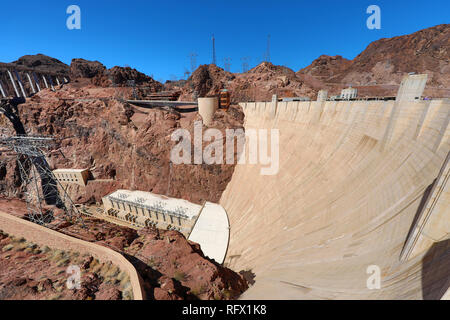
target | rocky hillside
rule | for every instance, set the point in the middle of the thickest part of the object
(85, 72)
(99, 75)
(172, 268)
(43, 63)
(266, 79)
(128, 147)
(386, 61)
(378, 70)
(258, 84)
(205, 81)
(124, 146)
(326, 67)
(81, 68)
(32, 272)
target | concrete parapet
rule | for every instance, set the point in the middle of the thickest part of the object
(47, 237)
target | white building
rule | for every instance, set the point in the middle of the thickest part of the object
(322, 95)
(75, 176)
(349, 93)
(207, 225)
(145, 209)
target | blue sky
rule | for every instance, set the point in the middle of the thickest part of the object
(156, 37)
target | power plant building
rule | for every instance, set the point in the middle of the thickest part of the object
(146, 209)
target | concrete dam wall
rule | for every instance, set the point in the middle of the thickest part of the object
(360, 184)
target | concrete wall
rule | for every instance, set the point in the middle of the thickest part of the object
(44, 236)
(352, 177)
(212, 231)
(432, 224)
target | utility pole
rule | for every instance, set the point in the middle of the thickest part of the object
(193, 57)
(213, 50)
(227, 64)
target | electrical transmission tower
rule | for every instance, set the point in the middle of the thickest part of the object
(43, 193)
(213, 50)
(268, 49)
(193, 57)
(132, 83)
(187, 73)
(227, 64)
(245, 61)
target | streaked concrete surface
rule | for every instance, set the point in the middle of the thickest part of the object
(353, 178)
(212, 231)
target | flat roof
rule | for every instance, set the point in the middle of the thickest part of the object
(69, 170)
(150, 199)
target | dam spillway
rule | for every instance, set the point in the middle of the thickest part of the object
(354, 183)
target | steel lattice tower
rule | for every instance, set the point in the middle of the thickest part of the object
(42, 191)
(227, 64)
(193, 57)
(245, 64)
(132, 84)
(213, 50)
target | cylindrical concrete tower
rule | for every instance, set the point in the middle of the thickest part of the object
(206, 108)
